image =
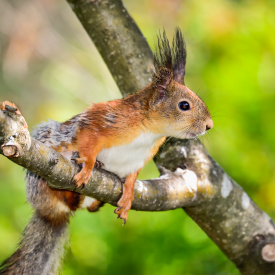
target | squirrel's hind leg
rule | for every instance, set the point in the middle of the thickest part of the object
(125, 202)
(93, 207)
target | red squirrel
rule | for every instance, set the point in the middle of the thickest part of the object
(123, 135)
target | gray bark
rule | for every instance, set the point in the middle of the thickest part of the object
(116, 36)
(209, 196)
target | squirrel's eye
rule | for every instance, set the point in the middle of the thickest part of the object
(184, 106)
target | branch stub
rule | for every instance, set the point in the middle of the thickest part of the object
(268, 252)
(10, 151)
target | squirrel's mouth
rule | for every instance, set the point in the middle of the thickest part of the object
(191, 135)
(194, 135)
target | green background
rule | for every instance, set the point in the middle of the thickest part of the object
(50, 69)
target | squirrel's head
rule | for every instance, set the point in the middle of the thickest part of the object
(177, 110)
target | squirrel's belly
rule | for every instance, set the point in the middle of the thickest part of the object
(128, 158)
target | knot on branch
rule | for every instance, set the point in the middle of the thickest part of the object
(262, 250)
(14, 130)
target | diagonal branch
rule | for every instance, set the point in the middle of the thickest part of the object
(116, 36)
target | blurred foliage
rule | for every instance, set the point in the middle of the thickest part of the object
(50, 69)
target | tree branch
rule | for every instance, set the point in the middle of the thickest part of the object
(116, 36)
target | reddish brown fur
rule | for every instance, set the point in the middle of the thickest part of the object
(153, 109)
(98, 131)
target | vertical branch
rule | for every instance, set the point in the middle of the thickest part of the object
(116, 37)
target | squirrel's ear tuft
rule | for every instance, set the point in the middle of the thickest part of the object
(162, 62)
(170, 62)
(163, 54)
(179, 57)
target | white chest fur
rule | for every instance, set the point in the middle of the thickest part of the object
(126, 159)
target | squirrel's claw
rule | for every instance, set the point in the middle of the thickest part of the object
(122, 213)
(99, 164)
(82, 178)
(120, 217)
(116, 211)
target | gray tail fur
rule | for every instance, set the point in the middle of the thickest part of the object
(42, 243)
(40, 249)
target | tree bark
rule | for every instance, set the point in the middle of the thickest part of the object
(210, 197)
(225, 212)
(116, 36)
(244, 232)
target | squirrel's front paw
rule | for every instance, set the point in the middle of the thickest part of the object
(82, 177)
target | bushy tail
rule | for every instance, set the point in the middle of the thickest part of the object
(40, 249)
(42, 243)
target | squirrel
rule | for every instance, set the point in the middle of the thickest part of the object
(121, 135)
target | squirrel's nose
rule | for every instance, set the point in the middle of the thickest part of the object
(209, 124)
